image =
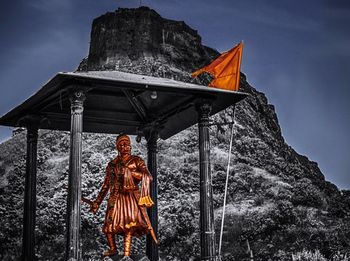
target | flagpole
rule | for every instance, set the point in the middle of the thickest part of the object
(226, 185)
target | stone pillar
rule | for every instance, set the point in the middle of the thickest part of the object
(207, 232)
(73, 246)
(151, 247)
(28, 241)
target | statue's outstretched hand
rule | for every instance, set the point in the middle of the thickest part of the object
(94, 207)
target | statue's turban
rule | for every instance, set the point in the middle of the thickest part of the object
(122, 137)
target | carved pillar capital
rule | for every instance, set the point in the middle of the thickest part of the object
(151, 136)
(77, 98)
(32, 135)
(203, 108)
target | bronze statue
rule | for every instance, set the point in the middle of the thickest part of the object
(126, 209)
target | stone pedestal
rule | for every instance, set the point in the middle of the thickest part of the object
(125, 258)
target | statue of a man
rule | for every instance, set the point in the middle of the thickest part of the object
(127, 180)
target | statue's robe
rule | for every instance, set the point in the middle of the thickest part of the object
(127, 201)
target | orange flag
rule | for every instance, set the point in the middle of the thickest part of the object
(225, 69)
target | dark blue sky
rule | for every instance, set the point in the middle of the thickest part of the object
(296, 52)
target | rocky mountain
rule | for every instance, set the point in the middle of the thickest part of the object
(140, 40)
(279, 204)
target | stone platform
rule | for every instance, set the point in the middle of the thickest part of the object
(125, 258)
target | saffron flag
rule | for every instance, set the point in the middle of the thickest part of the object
(225, 69)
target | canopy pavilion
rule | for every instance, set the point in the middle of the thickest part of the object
(115, 102)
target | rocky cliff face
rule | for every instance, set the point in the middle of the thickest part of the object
(140, 39)
(279, 202)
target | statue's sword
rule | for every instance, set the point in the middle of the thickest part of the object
(150, 228)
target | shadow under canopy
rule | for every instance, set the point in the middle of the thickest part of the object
(117, 102)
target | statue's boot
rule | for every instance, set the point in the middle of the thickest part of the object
(112, 247)
(127, 244)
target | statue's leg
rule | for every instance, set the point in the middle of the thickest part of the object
(127, 244)
(111, 243)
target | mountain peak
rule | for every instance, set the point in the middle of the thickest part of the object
(131, 35)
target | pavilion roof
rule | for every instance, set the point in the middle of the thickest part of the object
(120, 102)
